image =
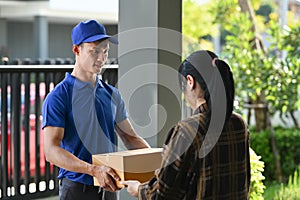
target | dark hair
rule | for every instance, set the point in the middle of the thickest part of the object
(186, 68)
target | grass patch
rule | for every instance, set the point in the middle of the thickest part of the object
(271, 189)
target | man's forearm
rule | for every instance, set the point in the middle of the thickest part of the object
(129, 137)
(68, 161)
(135, 142)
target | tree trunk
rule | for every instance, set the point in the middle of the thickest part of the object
(260, 113)
(262, 116)
(294, 120)
(275, 151)
(246, 7)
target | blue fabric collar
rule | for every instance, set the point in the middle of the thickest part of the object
(82, 84)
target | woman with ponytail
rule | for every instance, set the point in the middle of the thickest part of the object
(206, 156)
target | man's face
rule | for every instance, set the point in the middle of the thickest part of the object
(93, 56)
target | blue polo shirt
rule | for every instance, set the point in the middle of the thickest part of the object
(88, 115)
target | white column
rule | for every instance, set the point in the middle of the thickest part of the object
(3, 36)
(149, 55)
(283, 9)
(40, 27)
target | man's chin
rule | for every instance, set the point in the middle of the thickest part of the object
(99, 69)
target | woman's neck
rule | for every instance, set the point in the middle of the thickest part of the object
(199, 102)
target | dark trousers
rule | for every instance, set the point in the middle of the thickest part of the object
(69, 190)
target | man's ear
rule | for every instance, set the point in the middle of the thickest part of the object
(75, 49)
(190, 82)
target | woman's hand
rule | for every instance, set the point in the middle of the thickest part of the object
(132, 187)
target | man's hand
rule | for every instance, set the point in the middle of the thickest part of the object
(132, 187)
(106, 177)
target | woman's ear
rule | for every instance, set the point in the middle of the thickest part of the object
(190, 82)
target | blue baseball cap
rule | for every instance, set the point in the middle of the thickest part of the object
(90, 31)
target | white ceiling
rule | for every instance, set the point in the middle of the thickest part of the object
(61, 11)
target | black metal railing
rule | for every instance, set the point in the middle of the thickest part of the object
(24, 172)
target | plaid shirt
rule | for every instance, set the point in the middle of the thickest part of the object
(224, 173)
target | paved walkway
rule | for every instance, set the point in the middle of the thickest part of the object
(49, 198)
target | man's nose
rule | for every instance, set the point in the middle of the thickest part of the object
(101, 57)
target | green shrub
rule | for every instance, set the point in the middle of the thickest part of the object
(260, 143)
(257, 186)
(287, 141)
(288, 146)
(290, 191)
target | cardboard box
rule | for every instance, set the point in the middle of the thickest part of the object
(137, 164)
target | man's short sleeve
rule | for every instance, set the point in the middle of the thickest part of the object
(121, 113)
(54, 110)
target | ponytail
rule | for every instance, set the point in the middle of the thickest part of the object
(186, 68)
(228, 82)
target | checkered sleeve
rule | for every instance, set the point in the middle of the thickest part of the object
(176, 172)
